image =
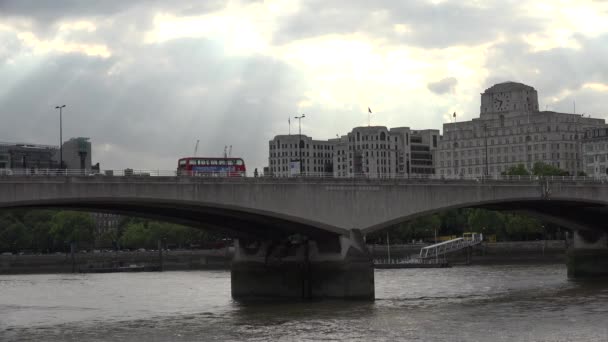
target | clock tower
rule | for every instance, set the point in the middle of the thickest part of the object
(509, 97)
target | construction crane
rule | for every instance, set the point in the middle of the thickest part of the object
(196, 147)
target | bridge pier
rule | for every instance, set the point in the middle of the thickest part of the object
(587, 255)
(339, 267)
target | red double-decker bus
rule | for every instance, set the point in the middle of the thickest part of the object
(211, 167)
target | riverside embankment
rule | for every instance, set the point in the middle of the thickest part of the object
(548, 251)
(63, 263)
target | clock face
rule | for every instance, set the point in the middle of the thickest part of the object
(497, 104)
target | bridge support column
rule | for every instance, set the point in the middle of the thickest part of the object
(587, 255)
(339, 267)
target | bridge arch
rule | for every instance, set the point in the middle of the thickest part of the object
(234, 221)
(571, 213)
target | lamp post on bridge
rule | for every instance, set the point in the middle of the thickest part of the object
(60, 136)
(299, 118)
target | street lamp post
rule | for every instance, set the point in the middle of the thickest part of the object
(60, 136)
(300, 139)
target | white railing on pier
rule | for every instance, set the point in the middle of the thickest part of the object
(453, 245)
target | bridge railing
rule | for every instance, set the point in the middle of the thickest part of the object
(306, 175)
(78, 172)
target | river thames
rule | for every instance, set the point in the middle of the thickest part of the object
(475, 303)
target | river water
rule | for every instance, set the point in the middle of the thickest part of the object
(475, 303)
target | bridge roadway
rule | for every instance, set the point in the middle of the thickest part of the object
(332, 215)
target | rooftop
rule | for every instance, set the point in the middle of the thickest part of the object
(507, 87)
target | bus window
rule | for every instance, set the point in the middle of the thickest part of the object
(213, 162)
(239, 162)
(222, 162)
(182, 162)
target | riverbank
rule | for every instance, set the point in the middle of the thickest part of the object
(521, 252)
(86, 262)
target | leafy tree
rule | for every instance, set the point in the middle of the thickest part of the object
(485, 221)
(518, 170)
(542, 169)
(12, 236)
(69, 226)
(38, 226)
(134, 236)
(523, 228)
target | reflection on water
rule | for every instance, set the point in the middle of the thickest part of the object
(477, 303)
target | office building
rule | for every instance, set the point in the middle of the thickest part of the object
(511, 130)
(27, 156)
(595, 152)
(286, 152)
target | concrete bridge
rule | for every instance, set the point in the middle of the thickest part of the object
(304, 236)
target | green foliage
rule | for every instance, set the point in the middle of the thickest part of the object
(523, 228)
(539, 169)
(51, 231)
(135, 236)
(455, 222)
(542, 169)
(519, 170)
(70, 226)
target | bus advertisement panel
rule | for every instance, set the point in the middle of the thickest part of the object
(211, 167)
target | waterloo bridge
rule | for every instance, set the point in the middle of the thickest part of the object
(304, 237)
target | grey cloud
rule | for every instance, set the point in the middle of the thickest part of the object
(153, 105)
(443, 24)
(52, 10)
(443, 86)
(44, 15)
(553, 71)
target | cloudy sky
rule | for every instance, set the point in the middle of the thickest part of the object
(144, 79)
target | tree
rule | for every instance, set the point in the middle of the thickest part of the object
(518, 170)
(12, 236)
(487, 222)
(69, 226)
(38, 226)
(542, 169)
(134, 236)
(520, 227)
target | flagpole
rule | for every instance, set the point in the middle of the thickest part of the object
(289, 122)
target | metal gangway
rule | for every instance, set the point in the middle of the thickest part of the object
(453, 245)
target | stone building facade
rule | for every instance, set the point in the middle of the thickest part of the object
(285, 155)
(373, 151)
(379, 152)
(511, 131)
(105, 222)
(595, 152)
